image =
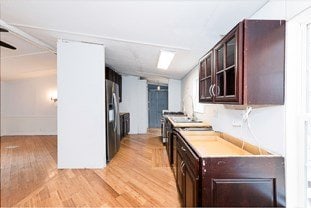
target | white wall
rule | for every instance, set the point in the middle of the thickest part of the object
(26, 108)
(174, 95)
(81, 105)
(135, 101)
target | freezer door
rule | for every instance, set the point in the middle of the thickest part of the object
(117, 118)
(111, 146)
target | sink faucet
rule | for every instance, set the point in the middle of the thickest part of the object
(192, 105)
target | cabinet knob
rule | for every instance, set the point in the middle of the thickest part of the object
(183, 149)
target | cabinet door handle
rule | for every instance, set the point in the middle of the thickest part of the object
(209, 90)
(217, 90)
(183, 149)
(182, 167)
(213, 89)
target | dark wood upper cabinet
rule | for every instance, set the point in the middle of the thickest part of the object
(226, 87)
(247, 65)
(113, 76)
(206, 78)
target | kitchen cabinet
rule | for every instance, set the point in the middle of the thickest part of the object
(124, 124)
(217, 172)
(121, 126)
(246, 66)
(127, 123)
(170, 125)
(190, 187)
(169, 143)
(187, 179)
(113, 76)
(174, 161)
(206, 78)
(179, 174)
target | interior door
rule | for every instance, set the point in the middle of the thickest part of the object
(152, 108)
(157, 102)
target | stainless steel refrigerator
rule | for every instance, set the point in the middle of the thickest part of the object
(112, 119)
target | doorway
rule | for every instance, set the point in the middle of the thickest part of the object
(157, 102)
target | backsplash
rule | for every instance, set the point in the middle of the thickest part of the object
(266, 123)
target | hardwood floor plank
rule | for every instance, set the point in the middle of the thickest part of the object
(138, 176)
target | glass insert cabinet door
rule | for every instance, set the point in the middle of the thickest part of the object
(206, 78)
(226, 69)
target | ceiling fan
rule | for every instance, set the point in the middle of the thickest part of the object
(3, 44)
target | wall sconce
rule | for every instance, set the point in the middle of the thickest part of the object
(54, 99)
(53, 96)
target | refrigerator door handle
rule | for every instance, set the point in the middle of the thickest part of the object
(115, 111)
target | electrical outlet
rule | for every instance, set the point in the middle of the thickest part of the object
(236, 123)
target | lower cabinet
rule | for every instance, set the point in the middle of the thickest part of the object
(169, 142)
(190, 187)
(186, 174)
(222, 181)
(121, 126)
(174, 152)
(179, 173)
(124, 124)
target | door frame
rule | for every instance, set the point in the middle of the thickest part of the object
(162, 85)
(295, 109)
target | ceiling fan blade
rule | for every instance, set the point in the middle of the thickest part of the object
(3, 44)
(3, 30)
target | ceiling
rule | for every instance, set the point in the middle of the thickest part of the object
(133, 32)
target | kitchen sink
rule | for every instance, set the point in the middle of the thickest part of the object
(184, 120)
(197, 129)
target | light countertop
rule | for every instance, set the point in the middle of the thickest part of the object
(179, 125)
(210, 144)
(122, 113)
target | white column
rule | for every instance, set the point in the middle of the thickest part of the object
(81, 105)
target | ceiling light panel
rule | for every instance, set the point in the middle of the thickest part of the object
(165, 59)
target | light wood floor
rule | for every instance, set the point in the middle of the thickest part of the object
(138, 176)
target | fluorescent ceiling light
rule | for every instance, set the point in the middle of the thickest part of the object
(165, 59)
